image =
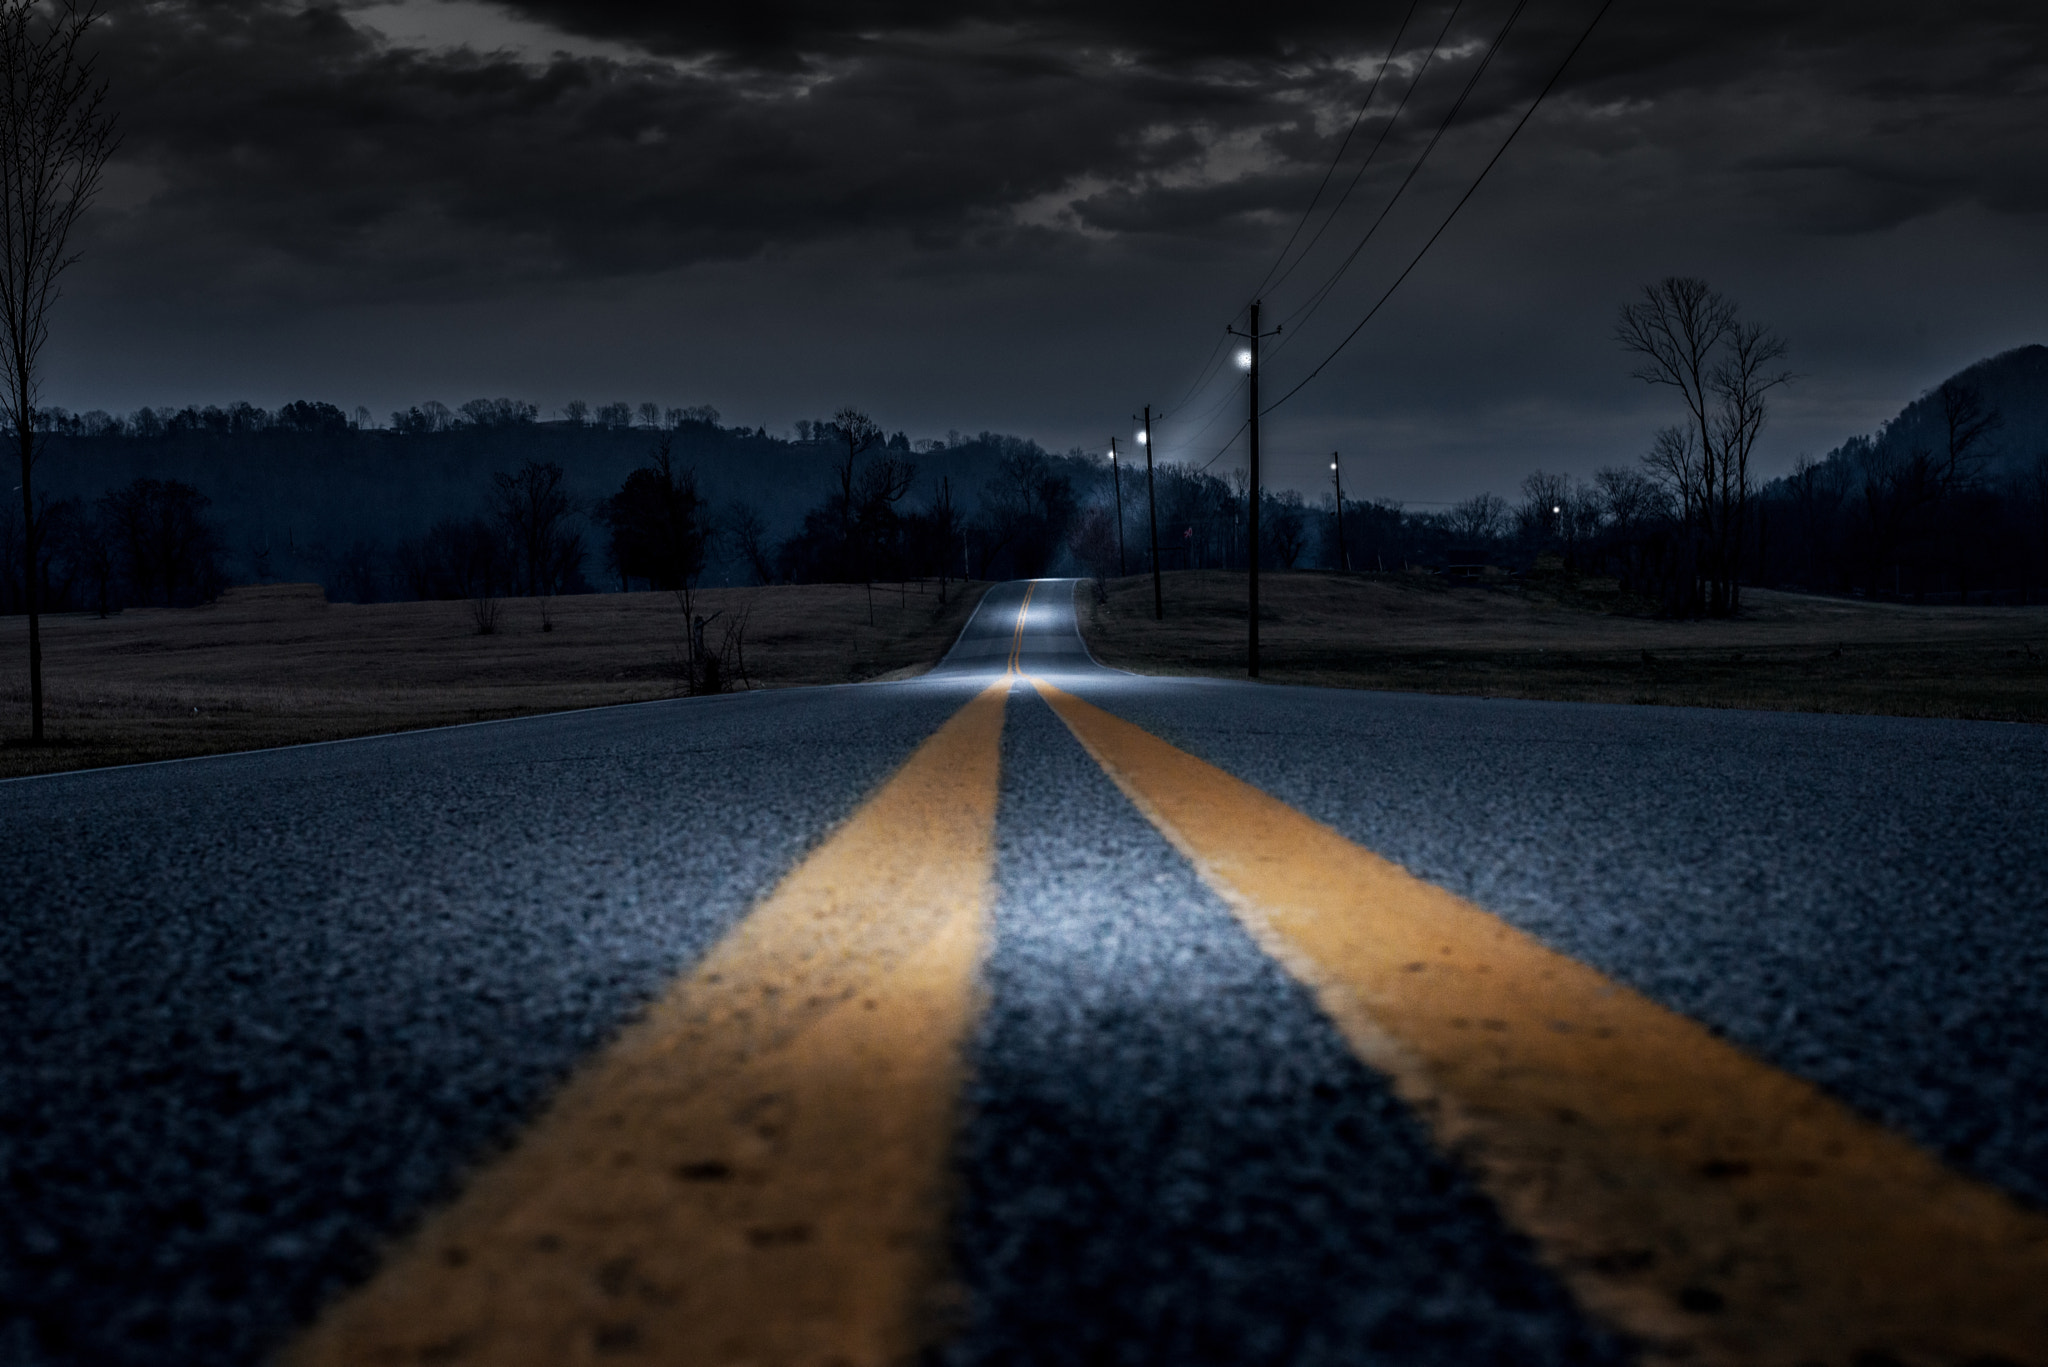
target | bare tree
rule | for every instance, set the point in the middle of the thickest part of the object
(856, 431)
(56, 134)
(1286, 528)
(750, 538)
(1541, 515)
(533, 508)
(1691, 338)
(1966, 422)
(1479, 518)
(1629, 498)
(1743, 379)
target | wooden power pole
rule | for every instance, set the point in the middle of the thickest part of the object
(1116, 479)
(1152, 511)
(1337, 479)
(1250, 361)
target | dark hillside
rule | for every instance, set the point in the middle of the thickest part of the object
(2012, 384)
(307, 502)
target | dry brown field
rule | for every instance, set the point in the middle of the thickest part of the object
(1576, 642)
(279, 665)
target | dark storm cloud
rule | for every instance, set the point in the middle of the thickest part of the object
(295, 149)
(1023, 214)
(299, 133)
(295, 137)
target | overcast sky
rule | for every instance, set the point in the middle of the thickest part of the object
(1035, 217)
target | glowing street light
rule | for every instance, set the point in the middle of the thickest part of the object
(1152, 514)
(1337, 484)
(1244, 359)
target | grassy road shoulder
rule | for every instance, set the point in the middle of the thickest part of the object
(280, 665)
(1787, 652)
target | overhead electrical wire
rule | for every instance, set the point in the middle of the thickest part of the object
(1463, 199)
(1227, 443)
(1337, 160)
(1202, 378)
(1429, 59)
(1322, 292)
(1208, 419)
(1306, 310)
(1208, 368)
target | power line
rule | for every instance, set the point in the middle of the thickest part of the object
(1315, 301)
(1208, 367)
(1435, 47)
(1208, 419)
(1224, 449)
(1338, 159)
(1379, 142)
(1463, 199)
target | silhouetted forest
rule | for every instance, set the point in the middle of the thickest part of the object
(167, 507)
(1947, 502)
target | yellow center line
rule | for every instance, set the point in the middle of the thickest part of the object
(1720, 1210)
(1017, 637)
(756, 1170)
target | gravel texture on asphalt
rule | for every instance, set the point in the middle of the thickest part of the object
(1863, 901)
(1170, 1155)
(262, 1010)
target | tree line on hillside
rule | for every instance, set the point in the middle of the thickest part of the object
(1916, 510)
(658, 529)
(311, 416)
(148, 543)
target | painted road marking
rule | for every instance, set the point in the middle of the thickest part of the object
(1017, 637)
(1720, 1210)
(757, 1170)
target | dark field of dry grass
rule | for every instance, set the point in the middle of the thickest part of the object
(1785, 652)
(279, 665)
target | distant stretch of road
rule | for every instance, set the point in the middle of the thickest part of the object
(1031, 1011)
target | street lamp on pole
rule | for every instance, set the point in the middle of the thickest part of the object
(1116, 479)
(1337, 479)
(1152, 513)
(1248, 360)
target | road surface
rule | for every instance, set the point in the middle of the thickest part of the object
(1029, 1011)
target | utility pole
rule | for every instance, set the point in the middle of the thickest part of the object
(1249, 359)
(1152, 511)
(1116, 478)
(1337, 478)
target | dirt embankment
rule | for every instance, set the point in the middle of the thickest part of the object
(279, 664)
(1785, 652)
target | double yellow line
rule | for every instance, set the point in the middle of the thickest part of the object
(1017, 636)
(1717, 1209)
(757, 1170)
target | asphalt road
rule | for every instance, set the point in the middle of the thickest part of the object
(263, 1011)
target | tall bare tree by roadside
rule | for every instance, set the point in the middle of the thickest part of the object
(1691, 337)
(55, 137)
(856, 431)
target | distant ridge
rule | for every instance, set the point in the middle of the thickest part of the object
(2013, 383)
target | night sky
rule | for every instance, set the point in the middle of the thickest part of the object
(1035, 217)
